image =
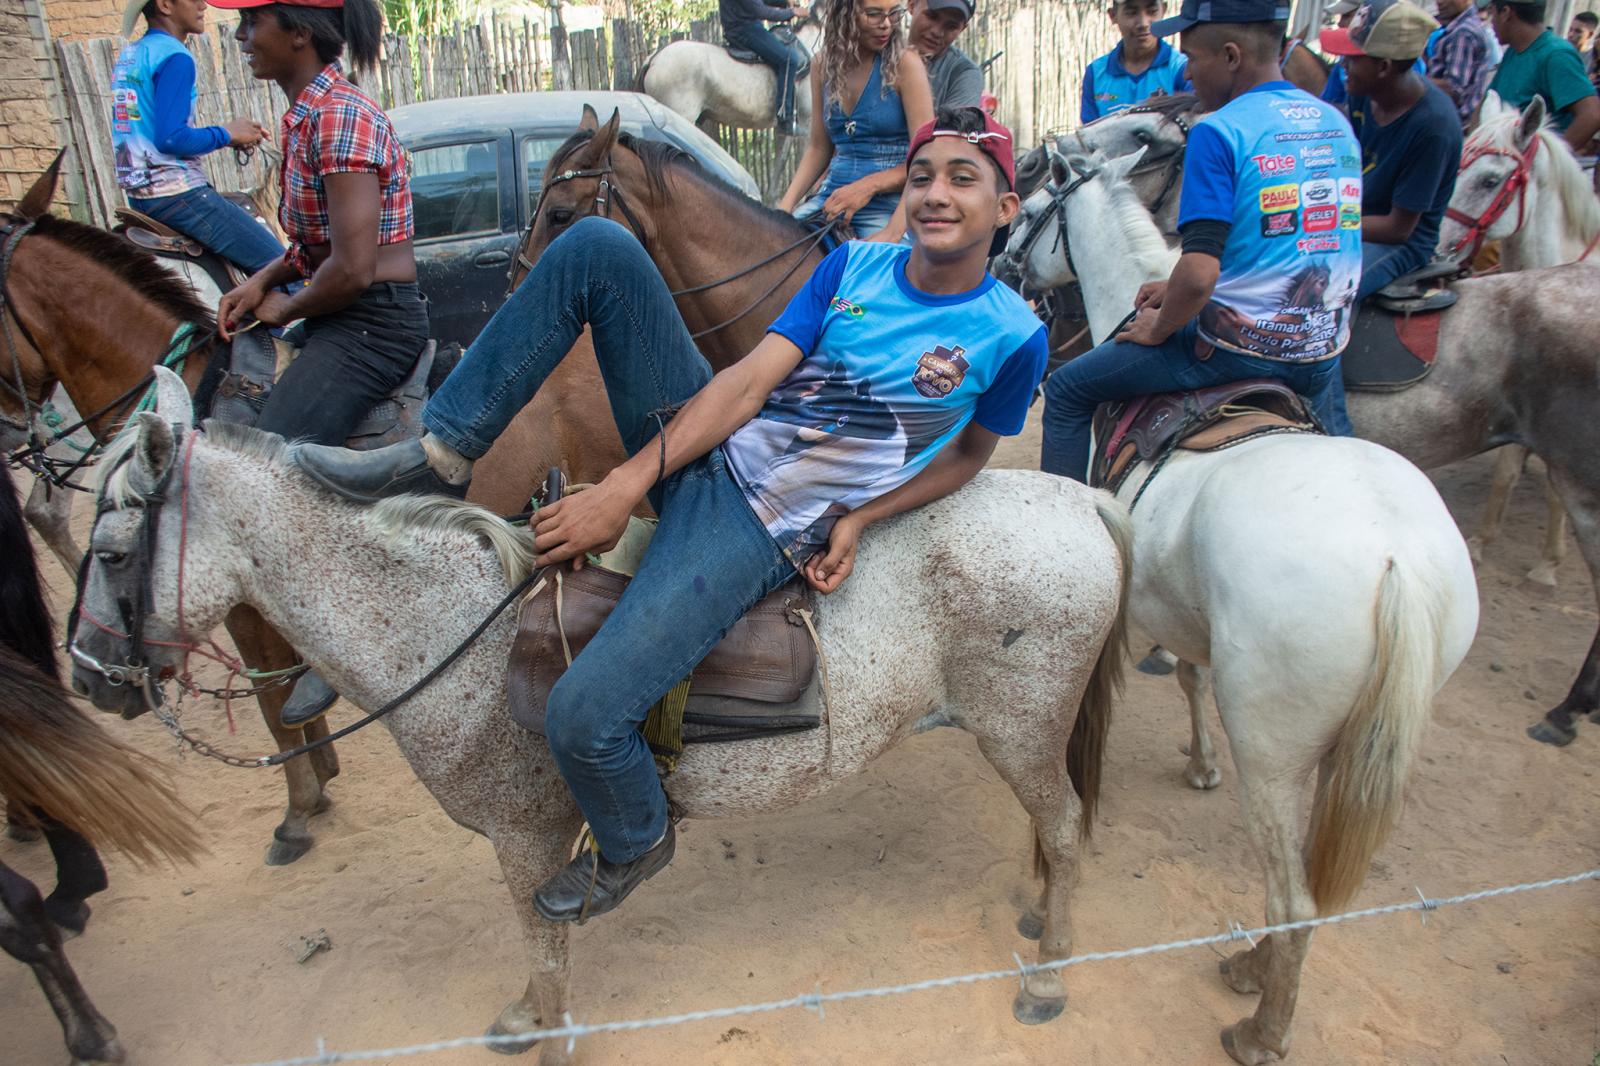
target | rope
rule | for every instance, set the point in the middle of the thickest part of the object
(817, 1000)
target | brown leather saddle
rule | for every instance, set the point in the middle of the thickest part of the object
(1150, 428)
(760, 679)
(142, 231)
(1395, 336)
(784, 34)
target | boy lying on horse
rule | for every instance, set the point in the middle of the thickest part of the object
(885, 384)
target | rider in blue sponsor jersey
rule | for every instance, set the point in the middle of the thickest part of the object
(1270, 218)
(1139, 67)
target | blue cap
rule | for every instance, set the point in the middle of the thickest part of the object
(1195, 12)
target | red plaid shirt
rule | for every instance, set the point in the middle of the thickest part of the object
(334, 128)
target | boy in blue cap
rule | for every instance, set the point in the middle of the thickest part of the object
(1270, 218)
(1140, 66)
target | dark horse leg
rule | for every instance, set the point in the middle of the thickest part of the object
(19, 828)
(79, 875)
(1579, 490)
(28, 935)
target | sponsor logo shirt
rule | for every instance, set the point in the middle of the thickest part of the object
(150, 135)
(891, 374)
(1109, 88)
(1283, 169)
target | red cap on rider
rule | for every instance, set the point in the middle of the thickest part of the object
(234, 5)
(994, 141)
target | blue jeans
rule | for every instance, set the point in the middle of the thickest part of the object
(867, 221)
(711, 558)
(217, 223)
(1382, 263)
(1119, 371)
(775, 54)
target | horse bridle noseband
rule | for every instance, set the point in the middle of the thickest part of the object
(609, 191)
(1058, 210)
(1477, 229)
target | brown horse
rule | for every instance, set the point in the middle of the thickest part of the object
(103, 312)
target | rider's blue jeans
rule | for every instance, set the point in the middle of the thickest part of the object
(775, 54)
(1120, 370)
(217, 223)
(711, 558)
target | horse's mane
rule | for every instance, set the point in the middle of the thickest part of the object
(399, 520)
(1577, 194)
(137, 267)
(661, 158)
(1139, 229)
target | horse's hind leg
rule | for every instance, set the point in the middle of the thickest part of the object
(1202, 772)
(79, 875)
(1508, 464)
(1580, 492)
(27, 935)
(19, 828)
(1555, 539)
(1037, 773)
(1271, 801)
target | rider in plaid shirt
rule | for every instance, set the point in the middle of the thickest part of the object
(1462, 57)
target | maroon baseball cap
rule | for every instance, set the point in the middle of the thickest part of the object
(994, 141)
(235, 5)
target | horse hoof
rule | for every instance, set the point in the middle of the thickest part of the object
(510, 1045)
(1594, 716)
(22, 834)
(285, 849)
(1543, 574)
(1547, 732)
(110, 1051)
(1030, 1009)
(70, 918)
(1030, 926)
(1242, 1051)
(1159, 663)
(1203, 780)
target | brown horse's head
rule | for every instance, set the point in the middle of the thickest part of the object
(599, 170)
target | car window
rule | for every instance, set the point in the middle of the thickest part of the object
(536, 153)
(455, 190)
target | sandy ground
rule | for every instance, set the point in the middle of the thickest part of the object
(915, 869)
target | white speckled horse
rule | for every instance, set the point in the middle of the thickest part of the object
(1318, 581)
(702, 82)
(997, 610)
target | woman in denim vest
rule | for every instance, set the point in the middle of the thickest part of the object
(869, 93)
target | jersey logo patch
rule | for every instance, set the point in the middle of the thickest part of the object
(1280, 198)
(1321, 219)
(1273, 165)
(839, 303)
(1282, 224)
(1319, 192)
(941, 371)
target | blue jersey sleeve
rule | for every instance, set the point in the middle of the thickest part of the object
(1087, 112)
(1003, 408)
(1334, 92)
(1180, 80)
(801, 321)
(174, 84)
(1208, 178)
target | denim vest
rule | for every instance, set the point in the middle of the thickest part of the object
(871, 138)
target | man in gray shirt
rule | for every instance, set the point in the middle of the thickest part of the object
(935, 24)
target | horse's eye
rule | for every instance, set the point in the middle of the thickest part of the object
(111, 558)
(560, 216)
(1488, 181)
(1142, 136)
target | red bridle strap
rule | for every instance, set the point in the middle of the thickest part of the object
(1516, 186)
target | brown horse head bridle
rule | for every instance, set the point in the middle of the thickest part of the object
(607, 192)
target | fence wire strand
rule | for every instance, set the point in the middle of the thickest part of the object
(816, 1000)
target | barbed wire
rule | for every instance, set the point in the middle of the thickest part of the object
(571, 1031)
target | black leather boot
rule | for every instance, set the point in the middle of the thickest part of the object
(367, 477)
(309, 701)
(591, 885)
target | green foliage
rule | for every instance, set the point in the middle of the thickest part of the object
(411, 18)
(656, 18)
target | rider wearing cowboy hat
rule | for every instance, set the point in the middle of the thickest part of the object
(1270, 221)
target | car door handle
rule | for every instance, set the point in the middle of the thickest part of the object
(495, 258)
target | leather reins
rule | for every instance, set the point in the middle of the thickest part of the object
(1515, 186)
(609, 191)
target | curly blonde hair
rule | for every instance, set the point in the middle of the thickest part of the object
(842, 47)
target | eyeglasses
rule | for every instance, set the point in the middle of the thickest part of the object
(879, 15)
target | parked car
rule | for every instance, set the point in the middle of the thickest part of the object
(476, 166)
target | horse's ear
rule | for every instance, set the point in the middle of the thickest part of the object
(590, 120)
(1532, 121)
(1060, 169)
(595, 153)
(152, 451)
(173, 402)
(36, 202)
(1119, 168)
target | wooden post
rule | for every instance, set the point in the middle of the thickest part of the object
(622, 60)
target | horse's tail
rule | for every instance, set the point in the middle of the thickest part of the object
(25, 625)
(1086, 748)
(1362, 785)
(53, 757)
(638, 79)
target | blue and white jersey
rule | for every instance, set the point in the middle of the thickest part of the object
(891, 375)
(142, 167)
(1109, 88)
(1283, 169)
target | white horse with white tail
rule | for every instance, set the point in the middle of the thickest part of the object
(997, 610)
(1319, 582)
(1521, 185)
(703, 83)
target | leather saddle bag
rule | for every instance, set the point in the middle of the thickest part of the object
(767, 657)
